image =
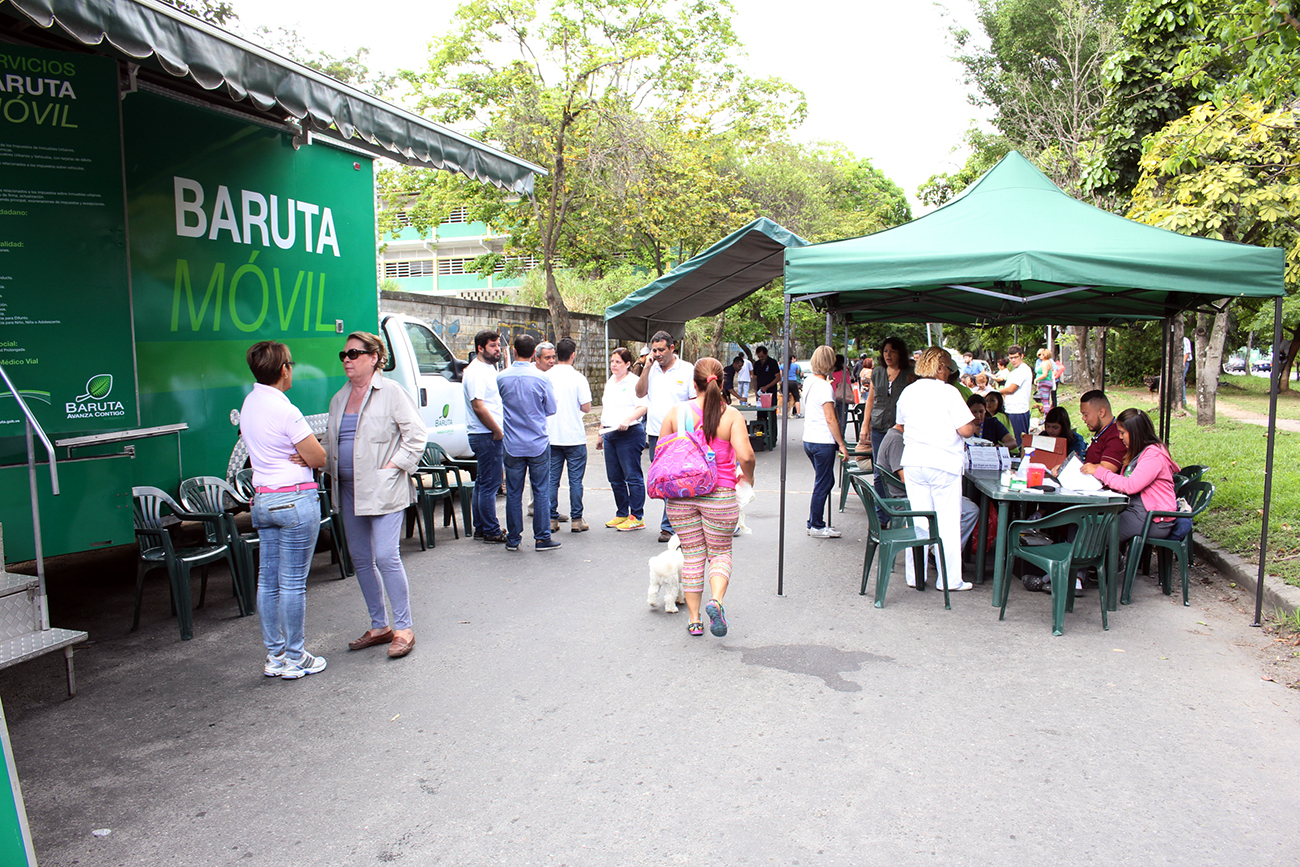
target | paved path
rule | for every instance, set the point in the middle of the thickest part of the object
(1259, 418)
(546, 716)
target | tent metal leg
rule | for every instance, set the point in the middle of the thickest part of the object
(1274, 382)
(785, 439)
(1164, 379)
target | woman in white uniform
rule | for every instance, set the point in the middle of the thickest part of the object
(935, 420)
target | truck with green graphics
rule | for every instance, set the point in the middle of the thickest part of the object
(160, 212)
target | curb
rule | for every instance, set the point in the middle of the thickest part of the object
(1278, 595)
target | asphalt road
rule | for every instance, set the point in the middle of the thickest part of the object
(546, 716)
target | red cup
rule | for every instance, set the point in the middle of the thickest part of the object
(1035, 474)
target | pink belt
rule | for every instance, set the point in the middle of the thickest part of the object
(305, 486)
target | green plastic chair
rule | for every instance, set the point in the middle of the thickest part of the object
(900, 536)
(433, 483)
(153, 526)
(216, 496)
(1059, 560)
(329, 519)
(1199, 495)
(848, 468)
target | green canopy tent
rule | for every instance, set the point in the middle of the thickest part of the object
(1015, 249)
(704, 285)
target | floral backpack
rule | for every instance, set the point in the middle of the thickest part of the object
(684, 465)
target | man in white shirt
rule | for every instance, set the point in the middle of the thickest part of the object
(743, 377)
(567, 432)
(483, 422)
(666, 381)
(1017, 394)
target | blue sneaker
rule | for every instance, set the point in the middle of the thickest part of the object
(717, 618)
(546, 545)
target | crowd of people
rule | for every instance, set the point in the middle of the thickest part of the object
(526, 424)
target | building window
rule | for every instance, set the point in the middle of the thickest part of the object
(525, 263)
(403, 218)
(458, 215)
(416, 268)
(452, 267)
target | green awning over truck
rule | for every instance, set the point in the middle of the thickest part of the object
(164, 40)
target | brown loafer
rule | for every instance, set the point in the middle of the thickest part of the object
(400, 647)
(369, 640)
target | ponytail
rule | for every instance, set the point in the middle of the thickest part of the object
(708, 372)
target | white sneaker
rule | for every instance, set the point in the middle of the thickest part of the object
(296, 668)
(274, 665)
(823, 532)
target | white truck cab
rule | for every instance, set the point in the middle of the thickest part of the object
(426, 368)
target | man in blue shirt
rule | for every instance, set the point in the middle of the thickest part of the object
(526, 400)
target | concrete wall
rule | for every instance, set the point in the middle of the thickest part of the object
(457, 320)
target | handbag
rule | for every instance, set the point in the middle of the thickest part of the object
(1182, 525)
(684, 465)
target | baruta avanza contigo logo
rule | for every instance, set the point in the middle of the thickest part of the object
(93, 403)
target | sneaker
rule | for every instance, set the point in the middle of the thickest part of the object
(274, 665)
(308, 664)
(555, 526)
(665, 535)
(563, 518)
(546, 545)
(616, 523)
(717, 618)
(823, 532)
(631, 523)
(512, 546)
(495, 539)
(579, 526)
(478, 535)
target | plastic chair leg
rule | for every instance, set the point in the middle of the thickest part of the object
(943, 575)
(1062, 591)
(184, 602)
(866, 566)
(884, 569)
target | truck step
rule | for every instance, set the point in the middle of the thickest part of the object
(11, 582)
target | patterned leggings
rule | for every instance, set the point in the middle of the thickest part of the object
(704, 525)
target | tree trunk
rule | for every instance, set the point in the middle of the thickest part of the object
(1084, 372)
(715, 345)
(550, 232)
(1210, 340)
(559, 312)
(1284, 384)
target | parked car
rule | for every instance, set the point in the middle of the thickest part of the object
(1235, 365)
(1262, 366)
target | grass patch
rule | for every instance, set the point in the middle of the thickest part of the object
(1235, 454)
(1251, 393)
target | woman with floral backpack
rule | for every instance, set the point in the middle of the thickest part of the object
(704, 523)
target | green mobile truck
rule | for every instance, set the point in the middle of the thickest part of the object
(151, 231)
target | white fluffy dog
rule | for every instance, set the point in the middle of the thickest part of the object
(666, 576)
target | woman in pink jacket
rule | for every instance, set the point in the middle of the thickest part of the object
(1148, 473)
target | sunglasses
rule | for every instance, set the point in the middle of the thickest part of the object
(353, 354)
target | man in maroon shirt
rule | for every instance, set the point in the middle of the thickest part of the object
(1106, 449)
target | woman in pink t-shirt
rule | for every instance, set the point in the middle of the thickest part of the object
(1148, 472)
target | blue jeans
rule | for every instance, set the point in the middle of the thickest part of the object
(822, 456)
(487, 482)
(665, 524)
(623, 467)
(538, 469)
(373, 542)
(287, 525)
(576, 458)
(1019, 424)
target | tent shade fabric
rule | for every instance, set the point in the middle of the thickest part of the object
(1014, 248)
(159, 37)
(704, 285)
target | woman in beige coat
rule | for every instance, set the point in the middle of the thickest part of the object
(374, 439)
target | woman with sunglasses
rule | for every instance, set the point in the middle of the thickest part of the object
(375, 439)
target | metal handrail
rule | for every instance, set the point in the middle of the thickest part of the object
(30, 425)
(40, 432)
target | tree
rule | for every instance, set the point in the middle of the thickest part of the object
(1228, 173)
(349, 69)
(986, 149)
(1258, 40)
(216, 12)
(557, 88)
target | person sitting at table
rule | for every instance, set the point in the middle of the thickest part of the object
(935, 420)
(1148, 473)
(993, 406)
(1106, 448)
(982, 384)
(987, 427)
(1057, 424)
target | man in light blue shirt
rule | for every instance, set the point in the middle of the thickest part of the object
(527, 398)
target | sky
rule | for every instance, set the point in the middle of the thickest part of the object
(876, 73)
